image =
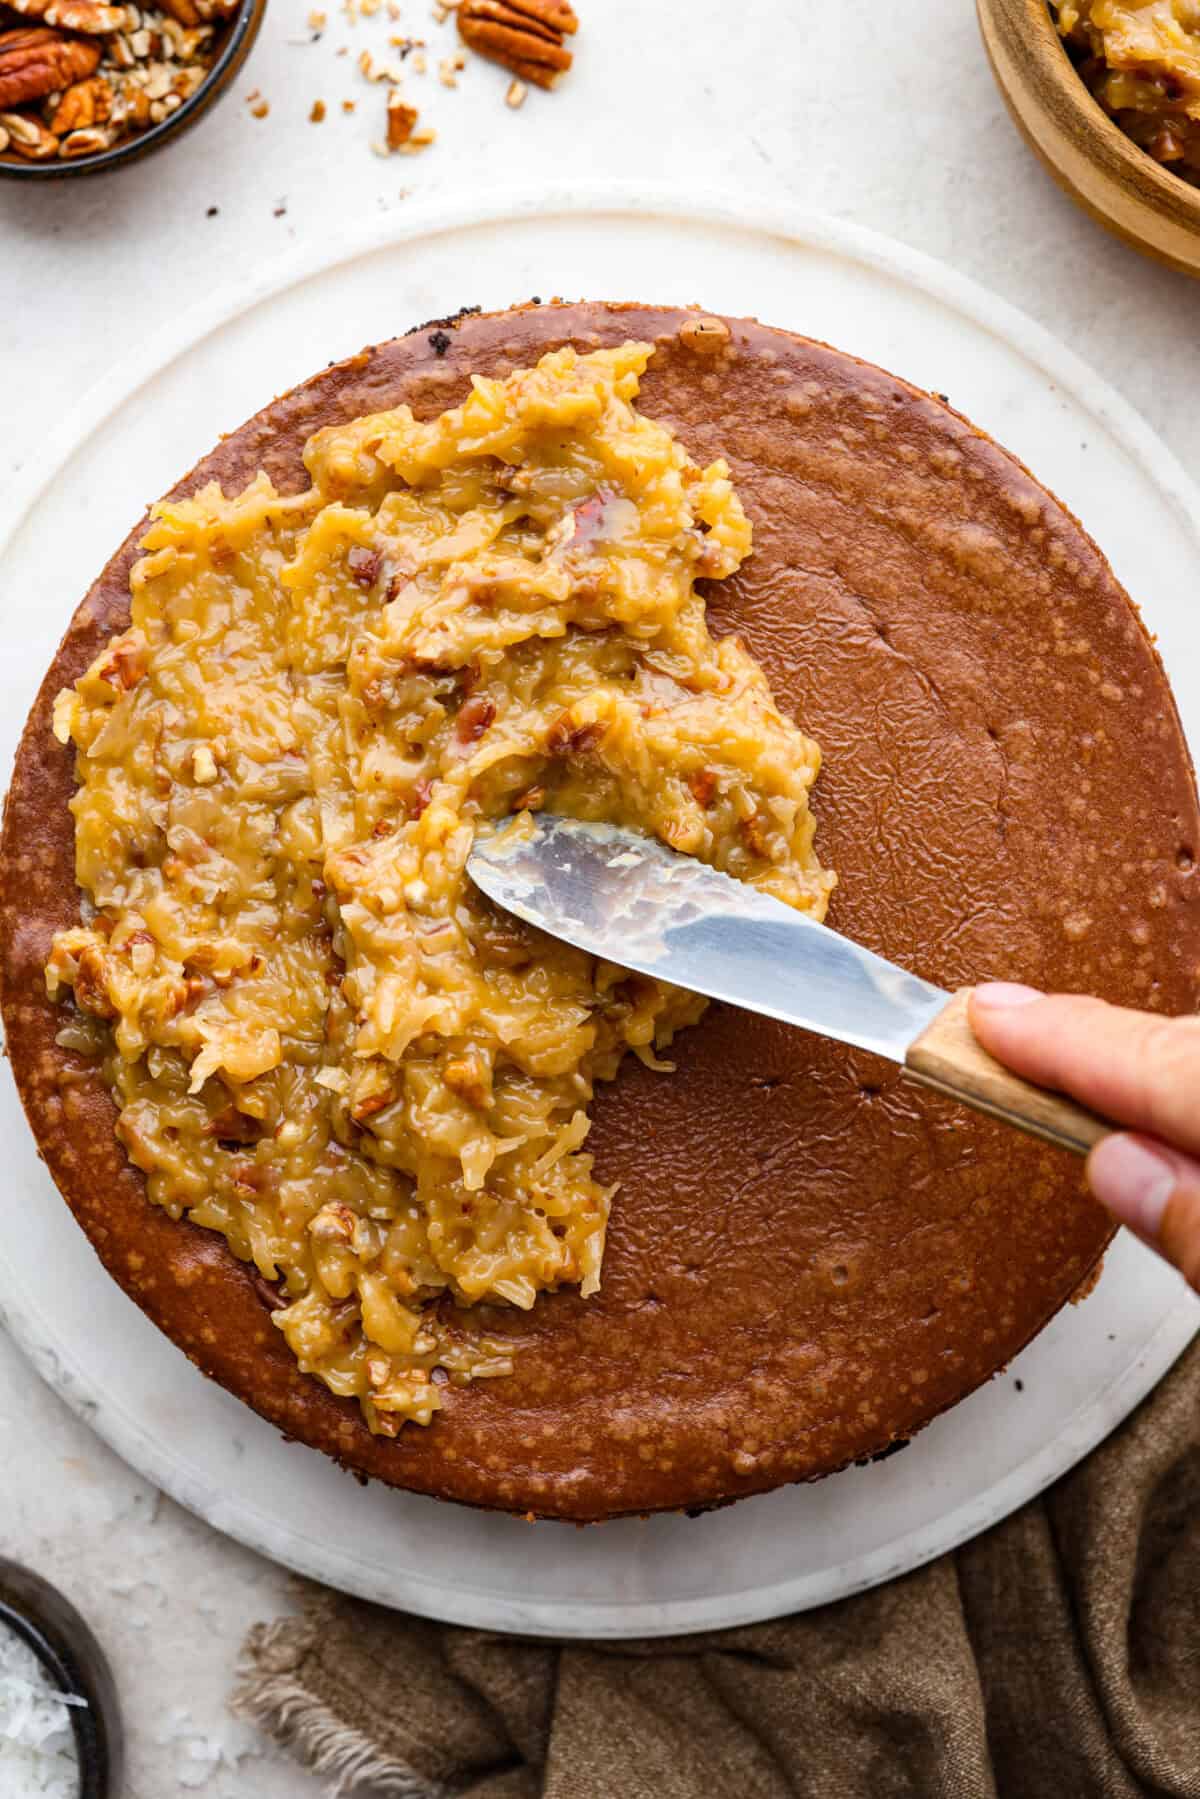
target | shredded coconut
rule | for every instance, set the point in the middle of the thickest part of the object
(37, 1746)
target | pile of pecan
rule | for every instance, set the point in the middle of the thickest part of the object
(77, 76)
(525, 35)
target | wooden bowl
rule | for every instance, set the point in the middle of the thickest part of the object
(1088, 155)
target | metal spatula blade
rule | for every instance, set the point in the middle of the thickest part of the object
(631, 900)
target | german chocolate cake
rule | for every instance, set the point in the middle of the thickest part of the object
(469, 1211)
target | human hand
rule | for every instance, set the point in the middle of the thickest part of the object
(1137, 1068)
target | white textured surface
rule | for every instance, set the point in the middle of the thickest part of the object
(884, 116)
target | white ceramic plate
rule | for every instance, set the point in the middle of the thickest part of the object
(129, 441)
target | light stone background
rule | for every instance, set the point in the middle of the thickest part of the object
(883, 115)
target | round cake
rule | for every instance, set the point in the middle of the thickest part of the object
(807, 1258)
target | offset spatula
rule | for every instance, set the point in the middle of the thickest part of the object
(631, 900)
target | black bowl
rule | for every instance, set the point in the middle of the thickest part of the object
(75, 1662)
(233, 47)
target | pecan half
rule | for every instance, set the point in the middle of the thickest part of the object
(84, 15)
(86, 104)
(35, 62)
(198, 12)
(72, 15)
(28, 137)
(526, 36)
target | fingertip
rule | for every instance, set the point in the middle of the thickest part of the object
(1155, 1192)
(1003, 996)
(1133, 1179)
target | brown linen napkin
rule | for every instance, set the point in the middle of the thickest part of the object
(1055, 1657)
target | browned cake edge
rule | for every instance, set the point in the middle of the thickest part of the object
(183, 1277)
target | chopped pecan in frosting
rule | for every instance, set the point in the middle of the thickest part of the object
(323, 1042)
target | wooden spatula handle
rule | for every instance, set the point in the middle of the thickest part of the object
(947, 1056)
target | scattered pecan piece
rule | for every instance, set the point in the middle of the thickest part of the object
(35, 62)
(525, 36)
(401, 120)
(84, 105)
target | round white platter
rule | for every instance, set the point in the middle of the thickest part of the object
(126, 443)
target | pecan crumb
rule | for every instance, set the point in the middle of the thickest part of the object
(364, 565)
(566, 738)
(401, 118)
(703, 785)
(317, 113)
(420, 797)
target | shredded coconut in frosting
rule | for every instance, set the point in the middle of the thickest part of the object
(323, 1041)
